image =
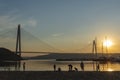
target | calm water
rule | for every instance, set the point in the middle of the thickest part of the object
(47, 65)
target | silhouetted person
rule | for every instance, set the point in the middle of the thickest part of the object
(75, 69)
(82, 65)
(59, 69)
(54, 66)
(24, 66)
(70, 67)
(98, 67)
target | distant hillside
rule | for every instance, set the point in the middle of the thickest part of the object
(6, 54)
(71, 56)
(64, 56)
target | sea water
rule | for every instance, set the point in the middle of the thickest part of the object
(47, 65)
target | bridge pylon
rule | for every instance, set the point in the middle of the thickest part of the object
(94, 47)
(18, 41)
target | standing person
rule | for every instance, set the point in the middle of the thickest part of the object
(54, 66)
(70, 67)
(82, 65)
(23, 66)
(98, 67)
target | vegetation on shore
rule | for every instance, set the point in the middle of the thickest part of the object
(7, 55)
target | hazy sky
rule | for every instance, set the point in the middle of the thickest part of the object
(68, 25)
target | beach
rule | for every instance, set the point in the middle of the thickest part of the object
(63, 75)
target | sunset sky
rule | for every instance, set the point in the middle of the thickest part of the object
(68, 25)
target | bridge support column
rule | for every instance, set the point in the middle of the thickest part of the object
(18, 41)
(94, 47)
(94, 51)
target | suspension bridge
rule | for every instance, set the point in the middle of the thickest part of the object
(22, 41)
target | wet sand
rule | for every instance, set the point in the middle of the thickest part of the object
(50, 75)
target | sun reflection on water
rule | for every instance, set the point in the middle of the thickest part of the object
(110, 70)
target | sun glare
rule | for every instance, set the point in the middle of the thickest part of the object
(107, 43)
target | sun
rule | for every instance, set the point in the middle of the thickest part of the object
(107, 43)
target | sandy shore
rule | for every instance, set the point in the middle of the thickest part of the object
(49, 75)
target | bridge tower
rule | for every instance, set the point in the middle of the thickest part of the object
(94, 50)
(94, 47)
(18, 41)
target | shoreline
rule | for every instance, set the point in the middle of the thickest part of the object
(63, 75)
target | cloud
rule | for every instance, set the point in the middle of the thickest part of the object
(29, 23)
(32, 22)
(57, 34)
(10, 21)
(7, 22)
